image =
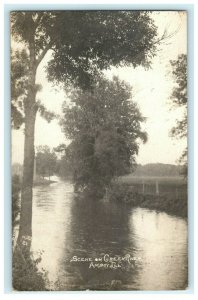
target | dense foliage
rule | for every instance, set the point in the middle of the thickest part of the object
(19, 82)
(90, 41)
(26, 275)
(104, 125)
(45, 161)
(81, 43)
(179, 94)
(180, 99)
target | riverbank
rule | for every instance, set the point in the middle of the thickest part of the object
(168, 202)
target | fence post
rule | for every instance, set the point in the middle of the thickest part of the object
(157, 188)
(143, 187)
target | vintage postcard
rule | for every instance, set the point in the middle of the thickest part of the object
(99, 150)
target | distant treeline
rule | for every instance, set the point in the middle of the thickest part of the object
(153, 169)
(158, 169)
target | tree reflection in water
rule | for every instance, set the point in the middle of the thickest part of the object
(66, 225)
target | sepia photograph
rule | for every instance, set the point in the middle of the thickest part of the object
(99, 146)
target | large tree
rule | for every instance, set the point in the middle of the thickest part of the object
(81, 43)
(104, 125)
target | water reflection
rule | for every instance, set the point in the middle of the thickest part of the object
(65, 226)
(162, 242)
(98, 229)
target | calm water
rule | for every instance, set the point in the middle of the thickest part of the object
(151, 247)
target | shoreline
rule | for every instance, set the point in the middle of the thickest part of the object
(163, 203)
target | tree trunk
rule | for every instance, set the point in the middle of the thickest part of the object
(30, 109)
(25, 230)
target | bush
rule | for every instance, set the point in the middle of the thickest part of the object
(16, 188)
(168, 203)
(25, 273)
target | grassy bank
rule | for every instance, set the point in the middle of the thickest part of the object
(169, 196)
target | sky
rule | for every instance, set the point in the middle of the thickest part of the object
(151, 90)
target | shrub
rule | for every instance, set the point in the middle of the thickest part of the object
(26, 275)
(16, 188)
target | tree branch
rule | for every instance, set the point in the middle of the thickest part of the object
(41, 56)
(40, 16)
(49, 45)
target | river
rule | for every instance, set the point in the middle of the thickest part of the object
(101, 245)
